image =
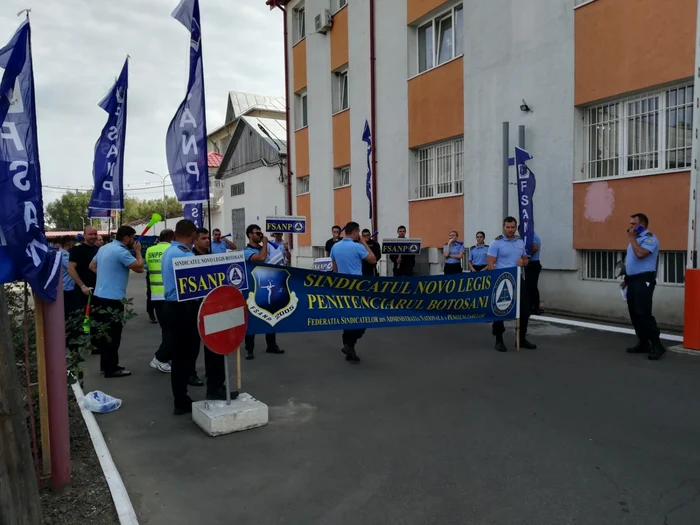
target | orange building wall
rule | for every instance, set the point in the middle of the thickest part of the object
(299, 65)
(602, 210)
(432, 219)
(628, 45)
(304, 210)
(436, 104)
(341, 139)
(342, 202)
(339, 39)
(301, 149)
(418, 8)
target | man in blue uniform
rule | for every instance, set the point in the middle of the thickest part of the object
(640, 281)
(478, 253)
(220, 244)
(181, 320)
(508, 251)
(532, 275)
(112, 264)
(258, 251)
(347, 256)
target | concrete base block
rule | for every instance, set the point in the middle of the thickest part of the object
(679, 349)
(217, 418)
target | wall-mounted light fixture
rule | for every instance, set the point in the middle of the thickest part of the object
(524, 107)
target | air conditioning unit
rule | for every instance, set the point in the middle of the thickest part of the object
(323, 21)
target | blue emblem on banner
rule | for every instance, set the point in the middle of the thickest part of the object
(237, 276)
(271, 299)
(503, 295)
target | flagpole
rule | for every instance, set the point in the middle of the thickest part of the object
(209, 224)
(517, 309)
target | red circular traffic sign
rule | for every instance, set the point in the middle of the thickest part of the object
(223, 319)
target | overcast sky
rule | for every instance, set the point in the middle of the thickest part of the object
(79, 47)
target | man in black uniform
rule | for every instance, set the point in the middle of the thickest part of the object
(367, 268)
(331, 242)
(403, 264)
(79, 259)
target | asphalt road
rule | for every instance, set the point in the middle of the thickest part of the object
(433, 427)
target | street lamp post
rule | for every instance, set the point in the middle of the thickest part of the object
(162, 179)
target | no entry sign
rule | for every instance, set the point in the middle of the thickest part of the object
(223, 320)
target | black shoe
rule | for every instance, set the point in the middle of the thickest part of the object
(350, 354)
(249, 355)
(640, 348)
(274, 350)
(154, 320)
(181, 411)
(657, 350)
(527, 345)
(220, 394)
(119, 373)
(119, 367)
(500, 346)
(195, 381)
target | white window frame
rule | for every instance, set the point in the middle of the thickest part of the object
(299, 24)
(616, 119)
(599, 265)
(341, 177)
(301, 100)
(303, 185)
(434, 23)
(439, 170)
(340, 4)
(341, 90)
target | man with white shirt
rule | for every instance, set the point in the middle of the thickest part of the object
(279, 252)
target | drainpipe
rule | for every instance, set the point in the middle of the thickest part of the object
(280, 4)
(373, 111)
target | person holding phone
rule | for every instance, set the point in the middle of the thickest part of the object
(639, 283)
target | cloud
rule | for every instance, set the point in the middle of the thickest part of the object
(79, 47)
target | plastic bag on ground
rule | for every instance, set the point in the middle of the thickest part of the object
(100, 402)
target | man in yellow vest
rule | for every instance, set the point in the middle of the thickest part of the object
(154, 254)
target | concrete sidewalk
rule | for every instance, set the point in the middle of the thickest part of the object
(433, 427)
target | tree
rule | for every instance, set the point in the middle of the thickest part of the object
(135, 209)
(70, 212)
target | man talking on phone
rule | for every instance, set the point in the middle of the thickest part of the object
(639, 283)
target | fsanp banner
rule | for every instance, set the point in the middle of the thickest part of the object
(284, 299)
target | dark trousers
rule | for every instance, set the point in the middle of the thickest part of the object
(403, 271)
(270, 339)
(498, 328)
(350, 337)
(69, 304)
(532, 279)
(215, 370)
(181, 318)
(640, 293)
(109, 346)
(451, 268)
(150, 306)
(479, 267)
(165, 350)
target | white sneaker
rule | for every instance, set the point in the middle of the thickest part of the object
(163, 367)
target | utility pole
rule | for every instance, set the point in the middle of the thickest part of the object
(162, 180)
(19, 491)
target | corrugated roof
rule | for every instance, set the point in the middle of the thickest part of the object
(276, 129)
(242, 103)
(214, 159)
(51, 235)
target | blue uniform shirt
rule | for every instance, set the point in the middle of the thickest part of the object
(455, 248)
(477, 254)
(507, 252)
(634, 264)
(218, 247)
(249, 251)
(277, 251)
(536, 256)
(175, 250)
(112, 260)
(68, 284)
(348, 256)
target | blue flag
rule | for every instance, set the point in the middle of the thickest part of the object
(21, 202)
(108, 167)
(367, 137)
(186, 139)
(194, 213)
(94, 213)
(526, 191)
